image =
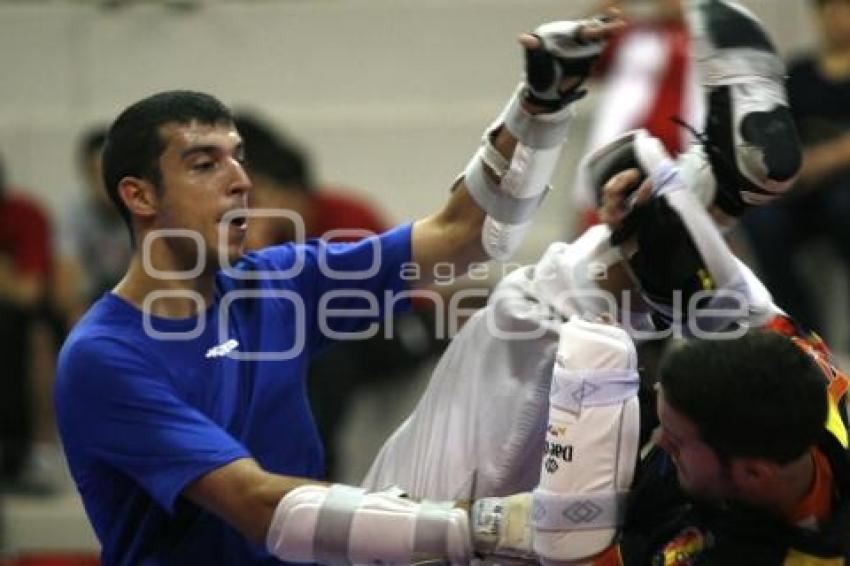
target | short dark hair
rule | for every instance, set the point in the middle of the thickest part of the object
(133, 144)
(272, 154)
(756, 396)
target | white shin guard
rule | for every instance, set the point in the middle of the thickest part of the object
(346, 525)
(591, 443)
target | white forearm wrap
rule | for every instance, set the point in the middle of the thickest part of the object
(346, 525)
(501, 240)
(591, 442)
(538, 131)
(510, 191)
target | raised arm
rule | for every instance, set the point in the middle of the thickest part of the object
(493, 202)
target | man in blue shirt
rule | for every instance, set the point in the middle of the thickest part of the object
(180, 395)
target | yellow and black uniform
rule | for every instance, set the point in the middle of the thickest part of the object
(664, 527)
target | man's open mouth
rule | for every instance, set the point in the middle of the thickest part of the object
(235, 219)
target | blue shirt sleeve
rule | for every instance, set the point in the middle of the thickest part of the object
(348, 288)
(357, 284)
(121, 410)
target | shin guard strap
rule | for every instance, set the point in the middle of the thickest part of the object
(581, 511)
(572, 390)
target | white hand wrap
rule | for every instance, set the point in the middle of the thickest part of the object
(591, 442)
(345, 525)
(501, 526)
(521, 183)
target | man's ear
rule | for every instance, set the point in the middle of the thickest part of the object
(750, 475)
(139, 196)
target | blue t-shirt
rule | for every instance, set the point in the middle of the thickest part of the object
(146, 405)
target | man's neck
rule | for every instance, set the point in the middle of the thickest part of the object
(794, 484)
(193, 295)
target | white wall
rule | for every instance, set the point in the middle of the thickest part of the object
(391, 94)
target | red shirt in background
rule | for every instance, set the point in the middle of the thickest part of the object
(335, 210)
(25, 235)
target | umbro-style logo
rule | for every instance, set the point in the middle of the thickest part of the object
(222, 349)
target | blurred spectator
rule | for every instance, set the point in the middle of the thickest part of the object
(647, 80)
(25, 268)
(818, 208)
(282, 179)
(94, 248)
